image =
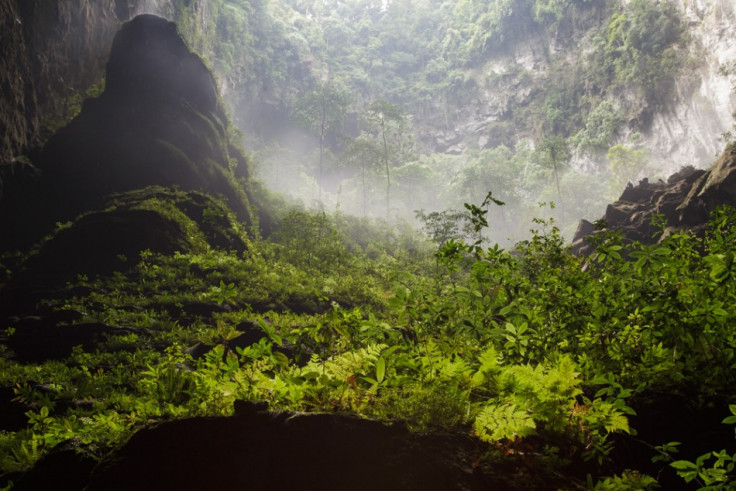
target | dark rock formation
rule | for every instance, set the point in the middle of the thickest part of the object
(37, 340)
(159, 122)
(259, 450)
(686, 200)
(154, 219)
(63, 470)
(16, 176)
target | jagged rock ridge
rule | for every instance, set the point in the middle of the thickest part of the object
(686, 200)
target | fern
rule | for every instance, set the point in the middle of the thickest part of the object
(360, 362)
(19, 451)
(489, 367)
(527, 396)
(498, 421)
(606, 416)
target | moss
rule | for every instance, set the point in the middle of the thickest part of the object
(155, 218)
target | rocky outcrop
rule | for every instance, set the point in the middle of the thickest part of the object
(158, 122)
(686, 200)
(153, 219)
(49, 51)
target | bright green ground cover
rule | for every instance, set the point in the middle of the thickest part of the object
(526, 345)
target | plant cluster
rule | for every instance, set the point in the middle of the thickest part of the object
(530, 348)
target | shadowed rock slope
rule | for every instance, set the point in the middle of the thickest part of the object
(686, 200)
(261, 450)
(151, 219)
(159, 122)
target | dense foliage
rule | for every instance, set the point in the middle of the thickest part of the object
(522, 345)
(530, 347)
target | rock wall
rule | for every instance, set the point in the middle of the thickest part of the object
(686, 200)
(49, 51)
(18, 105)
(688, 132)
(684, 132)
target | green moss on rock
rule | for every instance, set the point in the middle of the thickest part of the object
(152, 219)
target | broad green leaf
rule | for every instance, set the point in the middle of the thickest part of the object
(380, 369)
(683, 465)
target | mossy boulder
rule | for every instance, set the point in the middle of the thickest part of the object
(153, 219)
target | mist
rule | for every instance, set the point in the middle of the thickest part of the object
(336, 244)
(472, 118)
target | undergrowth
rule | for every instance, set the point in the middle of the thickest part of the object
(530, 347)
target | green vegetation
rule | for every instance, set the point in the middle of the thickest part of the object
(339, 314)
(718, 474)
(625, 164)
(322, 111)
(70, 107)
(528, 348)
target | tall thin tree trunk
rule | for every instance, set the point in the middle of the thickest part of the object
(388, 171)
(321, 149)
(559, 194)
(362, 175)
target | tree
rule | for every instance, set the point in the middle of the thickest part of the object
(364, 154)
(387, 122)
(491, 169)
(443, 226)
(322, 111)
(554, 153)
(414, 180)
(625, 164)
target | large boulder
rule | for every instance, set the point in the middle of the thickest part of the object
(151, 219)
(686, 201)
(260, 450)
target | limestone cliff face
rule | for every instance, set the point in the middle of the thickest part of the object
(688, 131)
(18, 105)
(685, 131)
